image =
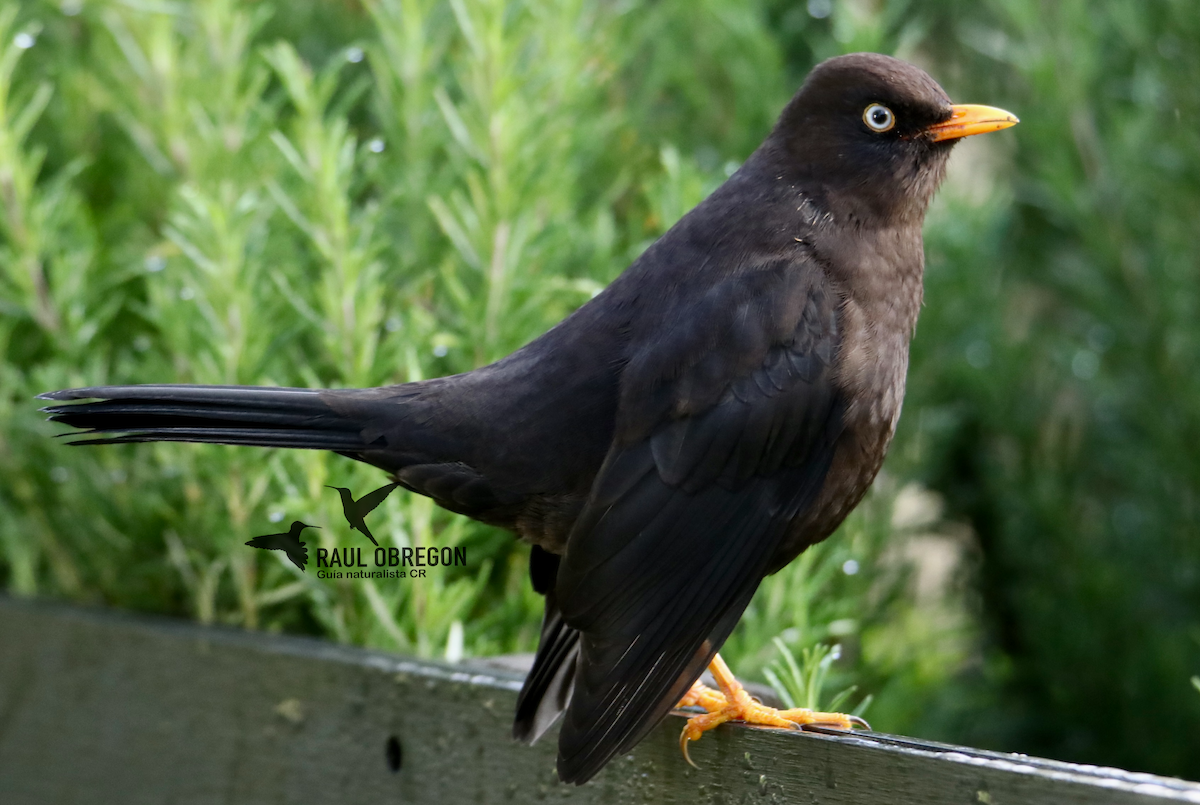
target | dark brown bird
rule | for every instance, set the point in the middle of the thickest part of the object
(719, 408)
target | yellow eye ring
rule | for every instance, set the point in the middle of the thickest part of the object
(878, 118)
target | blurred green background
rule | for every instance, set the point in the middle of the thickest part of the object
(356, 193)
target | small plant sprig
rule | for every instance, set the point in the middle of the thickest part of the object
(802, 684)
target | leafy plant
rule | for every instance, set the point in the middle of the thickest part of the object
(802, 684)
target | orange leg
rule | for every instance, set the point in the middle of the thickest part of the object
(733, 703)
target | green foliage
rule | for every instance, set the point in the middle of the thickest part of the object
(327, 194)
(801, 684)
(1055, 374)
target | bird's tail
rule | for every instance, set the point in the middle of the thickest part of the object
(239, 415)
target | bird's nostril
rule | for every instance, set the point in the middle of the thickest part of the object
(395, 756)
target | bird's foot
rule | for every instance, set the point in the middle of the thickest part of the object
(733, 703)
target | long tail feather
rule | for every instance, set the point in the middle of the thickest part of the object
(237, 415)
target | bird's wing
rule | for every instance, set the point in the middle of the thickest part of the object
(370, 501)
(723, 437)
(269, 542)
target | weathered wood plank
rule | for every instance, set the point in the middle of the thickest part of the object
(102, 707)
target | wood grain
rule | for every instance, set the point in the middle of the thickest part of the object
(97, 706)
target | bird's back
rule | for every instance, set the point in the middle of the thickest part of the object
(519, 443)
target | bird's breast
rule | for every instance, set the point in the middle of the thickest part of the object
(876, 324)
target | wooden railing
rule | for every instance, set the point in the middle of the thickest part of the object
(102, 707)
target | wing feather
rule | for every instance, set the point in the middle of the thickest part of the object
(690, 506)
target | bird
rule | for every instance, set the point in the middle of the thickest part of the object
(357, 510)
(288, 542)
(718, 408)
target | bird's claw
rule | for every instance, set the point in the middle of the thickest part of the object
(684, 740)
(733, 703)
(759, 715)
(855, 722)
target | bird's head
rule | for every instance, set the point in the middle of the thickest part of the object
(871, 135)
(299, 526)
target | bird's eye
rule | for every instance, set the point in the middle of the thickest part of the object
(878, 117)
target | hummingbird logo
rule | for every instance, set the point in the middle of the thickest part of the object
(288, 542)
(357, 510)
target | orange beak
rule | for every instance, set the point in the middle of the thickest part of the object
(967, 119)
